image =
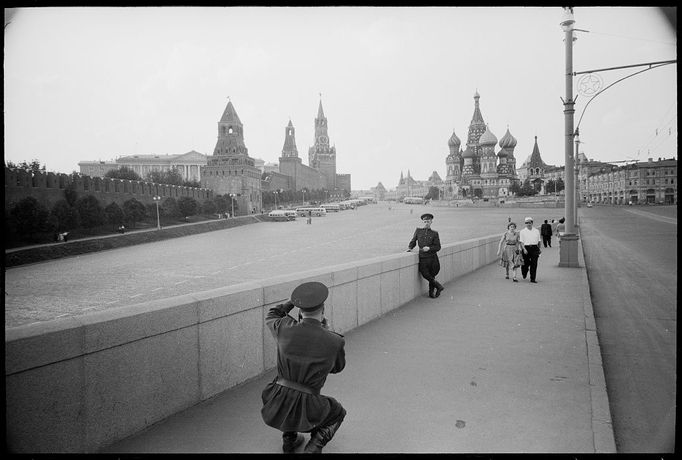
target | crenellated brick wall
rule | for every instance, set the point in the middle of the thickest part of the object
(48, 188)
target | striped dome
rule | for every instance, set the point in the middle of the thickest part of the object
(454, 140)
(508, 141)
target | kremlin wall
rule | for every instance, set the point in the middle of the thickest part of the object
(48, 188)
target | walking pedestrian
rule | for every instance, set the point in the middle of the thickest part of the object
(530, 238)
(509, 250)
(554, 228)
(429, 245)
(307, 352)
(561, 226)
(310, 216)
(546, 233)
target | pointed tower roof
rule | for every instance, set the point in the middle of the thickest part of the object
(535, 159)
(477, 117)
(320, 112)
(402, 179)
(230, 115)
(435, 177)
(290, 125)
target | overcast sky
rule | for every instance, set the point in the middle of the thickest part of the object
(98, 83)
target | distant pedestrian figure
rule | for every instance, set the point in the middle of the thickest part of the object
(307, 352)
(310, 217)
(554, 225)
(509, 250)
(531, 240)
(429, 245)
(546, 233)
(121, 229)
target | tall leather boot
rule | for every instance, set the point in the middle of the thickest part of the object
(320, 438)
(290, 441)
(439, 288)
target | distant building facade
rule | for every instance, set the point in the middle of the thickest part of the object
(652, 182)
(187, 164)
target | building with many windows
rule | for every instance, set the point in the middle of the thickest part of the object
(653, 182)
(187, 164)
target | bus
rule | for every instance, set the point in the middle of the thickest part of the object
(368, 199)
(281, 215)
(331, 207)
(413, 200)
(303, 212)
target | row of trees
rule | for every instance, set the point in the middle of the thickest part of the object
(171, 177)
(30, 221)
(280, 197)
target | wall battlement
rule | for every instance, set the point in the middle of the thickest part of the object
(48, 188)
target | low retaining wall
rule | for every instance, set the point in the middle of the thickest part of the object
(79, 384)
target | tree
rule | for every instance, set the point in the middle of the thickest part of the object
(114, 215)
(171, 177)
(187, 206)
(433, 194)
(64, 216)
(133, 211)
(169, 207)
(527, 189)
(559, 185)
(123, 172)
(90, 211)
(30, 217)
(33, 166)
(208, 207)
(515, 188)
(221, 203)
(191, 183)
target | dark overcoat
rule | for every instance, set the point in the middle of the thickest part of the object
(307, 352)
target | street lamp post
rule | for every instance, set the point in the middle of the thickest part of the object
(156, 199)
(232, 195)
(276, 192)
(568, 252)
(303, 191)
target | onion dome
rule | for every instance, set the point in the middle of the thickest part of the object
(487, 138)
(508, 141)
(454, 140)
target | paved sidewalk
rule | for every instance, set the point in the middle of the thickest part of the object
(490, 366)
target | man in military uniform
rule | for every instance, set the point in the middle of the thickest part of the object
(307, 352)
(429, 245)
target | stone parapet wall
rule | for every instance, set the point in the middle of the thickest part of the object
(80, 384)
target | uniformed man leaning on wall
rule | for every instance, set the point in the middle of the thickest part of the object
(307, 352)
(429, 245)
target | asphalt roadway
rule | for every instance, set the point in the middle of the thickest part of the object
(136, 274)
(631, 261)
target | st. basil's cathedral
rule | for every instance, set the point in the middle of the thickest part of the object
(477, 171)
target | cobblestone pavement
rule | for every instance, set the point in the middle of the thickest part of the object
(136, 274)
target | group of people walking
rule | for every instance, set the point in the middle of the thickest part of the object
(523, 248)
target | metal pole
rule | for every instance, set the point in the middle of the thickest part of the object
(568, 243)
(569, 110)
(158, 221)
(232, 205)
